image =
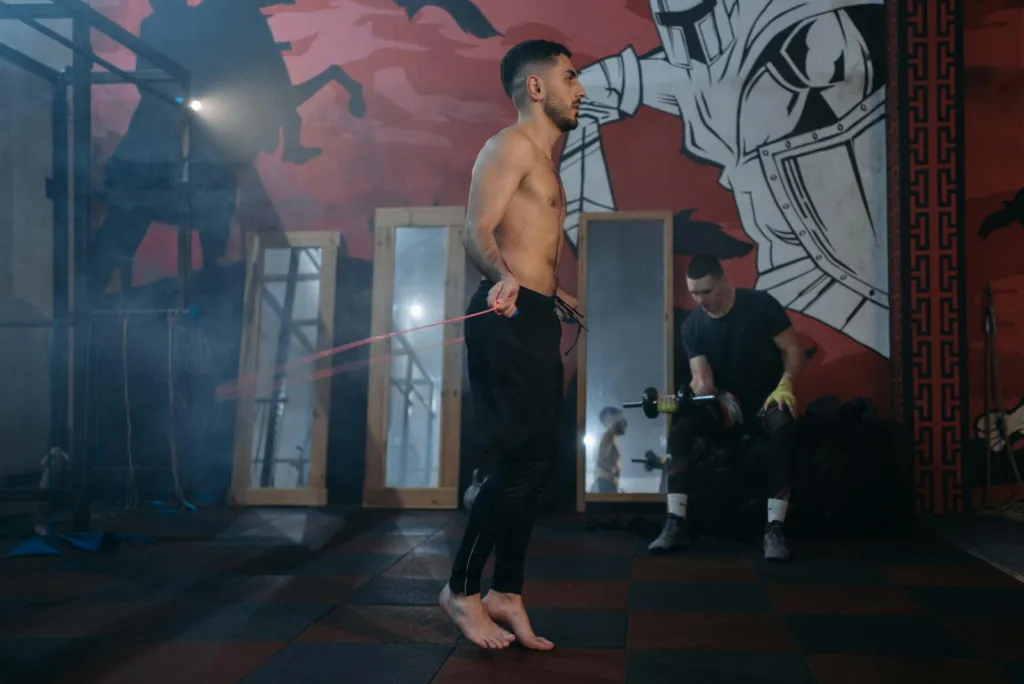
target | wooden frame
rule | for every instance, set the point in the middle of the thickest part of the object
(376, 493)
(315, 492)
(582, 496)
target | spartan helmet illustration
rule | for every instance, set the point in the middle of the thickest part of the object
(694, 31)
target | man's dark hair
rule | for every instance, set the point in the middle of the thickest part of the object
(702, 266)
(517, 62)
(609, 412)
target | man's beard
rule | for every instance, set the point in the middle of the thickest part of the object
(561, 117)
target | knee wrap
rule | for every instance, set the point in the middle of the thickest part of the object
(775, 419)
(732, 414)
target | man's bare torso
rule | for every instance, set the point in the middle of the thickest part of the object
(529, 236)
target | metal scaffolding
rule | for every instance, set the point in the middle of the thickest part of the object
(71, 300)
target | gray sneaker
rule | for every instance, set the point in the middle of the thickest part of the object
(674, 535)
(775, 543)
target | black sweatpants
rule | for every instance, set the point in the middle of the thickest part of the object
(705, 421)
(516, 376)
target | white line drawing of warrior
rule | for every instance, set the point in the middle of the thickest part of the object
(787, 97)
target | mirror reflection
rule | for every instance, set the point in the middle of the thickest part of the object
(626, 352)
(289, 320)
(414, 378)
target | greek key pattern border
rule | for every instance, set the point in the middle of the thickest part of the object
(930, 252)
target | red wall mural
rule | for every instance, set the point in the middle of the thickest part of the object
(994, 79)
(767, 140)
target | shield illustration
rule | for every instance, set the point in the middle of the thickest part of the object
(829, 185)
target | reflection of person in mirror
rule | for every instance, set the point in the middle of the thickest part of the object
(513, 235)
(742, 347)
(609, 455)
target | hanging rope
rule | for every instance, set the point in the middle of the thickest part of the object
(1014, 509)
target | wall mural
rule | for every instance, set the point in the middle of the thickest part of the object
(788, 99)
(994, 74)
(759, 124)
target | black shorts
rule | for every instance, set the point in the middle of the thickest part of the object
(516, 374)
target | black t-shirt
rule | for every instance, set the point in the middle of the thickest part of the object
(740, 346)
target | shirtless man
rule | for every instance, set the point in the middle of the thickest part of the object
(514, 237)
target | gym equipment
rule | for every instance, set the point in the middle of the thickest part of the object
(651, 461)
(655, 404)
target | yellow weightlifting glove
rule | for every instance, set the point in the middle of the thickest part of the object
(782, 397)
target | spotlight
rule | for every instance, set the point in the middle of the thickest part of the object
(589, 440)
(195, 105)
(416, 311)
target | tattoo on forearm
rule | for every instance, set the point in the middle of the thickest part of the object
(484, 253)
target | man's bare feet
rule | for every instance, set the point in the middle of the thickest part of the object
(508, 609)
(468, 614)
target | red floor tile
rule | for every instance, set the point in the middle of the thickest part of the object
(841, 599)
(853, 669)
(384, 624)
(179, 662)
(740, 632)
(576, 594)
(81, 618)
(694, 569)
(517, 665)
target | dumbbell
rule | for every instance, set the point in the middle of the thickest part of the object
(650, 461)
(655, 404)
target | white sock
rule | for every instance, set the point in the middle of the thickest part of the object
(677, 504)
(777, 510)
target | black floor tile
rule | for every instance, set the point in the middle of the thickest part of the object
(240, 621)
(969, 601)
(579, 567)
(819, 571)
(416, 525)
(1013, 669)
(32, 661)
(349, 564)
(395, 591)
(14, 611)
(149, 588)
(912, 550)
(673, 667)
(699, 597)
(589, 629)
(438, 545)
(708, 547)
(896, 635)
(327, 663)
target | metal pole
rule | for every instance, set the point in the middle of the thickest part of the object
(59, 378)
(30, 65)
(407, 391)
(284, 339)
(185, 222)
(118, 33)
(81, 94)
(72, 319)
(86, 52)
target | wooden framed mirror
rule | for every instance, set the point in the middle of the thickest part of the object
(626, 289)
(415, 388)
(284, 396)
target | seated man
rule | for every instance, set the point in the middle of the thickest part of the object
(741, 345)
(609, 456)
